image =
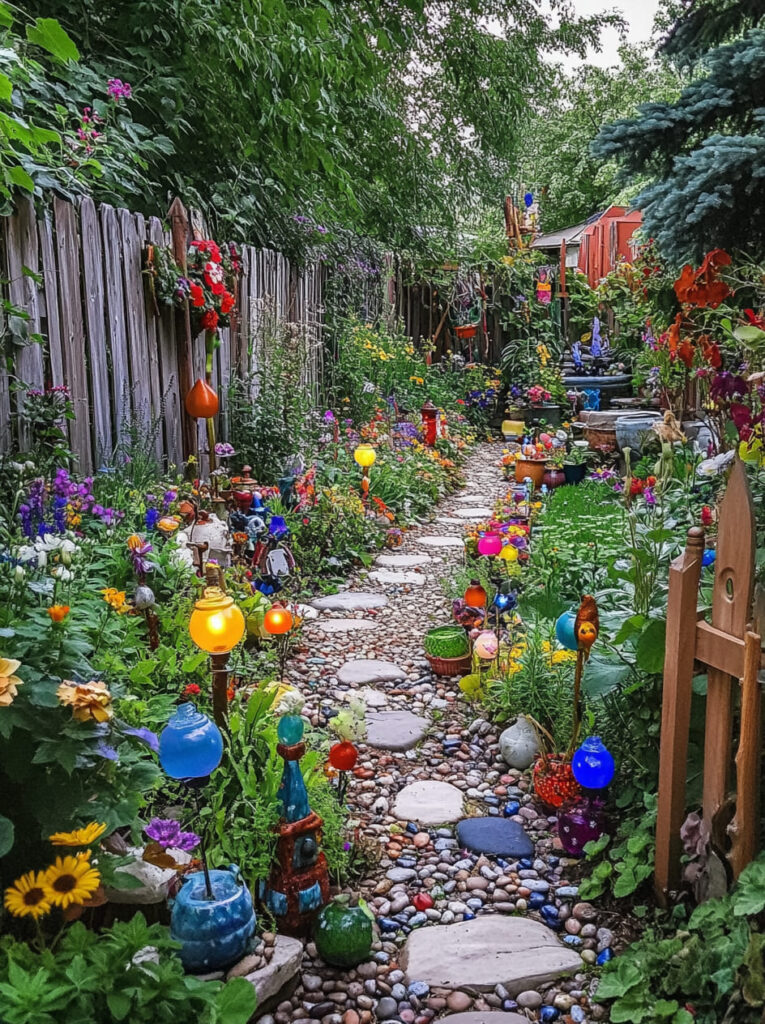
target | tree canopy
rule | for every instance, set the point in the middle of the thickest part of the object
(705, 151)
(393, 118)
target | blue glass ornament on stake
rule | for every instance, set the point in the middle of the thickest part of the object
(593, 765)
(564, 631)
(277, 526)
(190, 745)
(528, 199)
(709, 557)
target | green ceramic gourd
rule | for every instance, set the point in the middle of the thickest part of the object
(343, 934)
(446, 642)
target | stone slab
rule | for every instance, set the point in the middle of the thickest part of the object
(441, 542)
(477, 512)
(369, 670)
(395, 730)
(402, 561)
(429, 803)
(349, 601)
(347, 625)
(470, 499)
(372, 698)
(489, 1017)
(497, 837)
(512, 951)
(270, 981)
(416, 579)
(449, 521)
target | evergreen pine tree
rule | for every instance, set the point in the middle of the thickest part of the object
(706, 151)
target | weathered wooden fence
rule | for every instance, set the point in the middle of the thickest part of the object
(77, 271)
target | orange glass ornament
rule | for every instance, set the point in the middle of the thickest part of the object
(278, 621)
(475, 595)
(202, 401)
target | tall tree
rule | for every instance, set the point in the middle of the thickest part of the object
(704, 152)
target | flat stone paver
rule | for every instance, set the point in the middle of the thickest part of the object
(449, 521)
(372, 698)
(429, 803)
(469, 499)
(395, 730)
(512, 951)
(497, 837)
(349, 601)
(414, 579)
(474, 512)
(434, 541)
(402, 561)
(489, 1017)
(347, 625)
(369, 670)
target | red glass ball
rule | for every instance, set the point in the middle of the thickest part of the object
(422, 901)
(343, 756)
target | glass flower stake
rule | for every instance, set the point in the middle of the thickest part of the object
(490, 545)
(365, 456)
(475, 595)
(216, 626)
(583, 819)
(593, 765)
(278, 622)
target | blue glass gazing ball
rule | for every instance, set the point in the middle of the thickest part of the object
(277, 526)
(501, 601)
(528, 199)
(592, 764)
(709, 556)
(564, 631)
(290, 729)
(190, 745)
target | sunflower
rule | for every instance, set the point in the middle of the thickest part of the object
(89, 701)
(79, 836)
(58, 612)
(8, 680)
(27, 896)
(70, 880)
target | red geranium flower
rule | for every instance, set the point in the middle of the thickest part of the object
(227, 302)
(209, 320)
(706, 516)
(191, 690)
(197, 295)
(636, 486)
(701, 287)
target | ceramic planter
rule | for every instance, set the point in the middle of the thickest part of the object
(213, 933)
(343, 934)
(574, 473)
(447, 642)
(554, 477)
(554, 782)
(533, 468)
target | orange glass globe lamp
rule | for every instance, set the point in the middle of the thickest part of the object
(365, 456)
(278, 621)
(216, 624)
(475, 595)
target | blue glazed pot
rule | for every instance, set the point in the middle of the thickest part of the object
(214, 933)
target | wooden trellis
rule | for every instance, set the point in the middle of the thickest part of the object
(728, 649)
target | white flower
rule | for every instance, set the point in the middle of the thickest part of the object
(182, 556)
(290, 703)
(63, 574)
(715, 466)
(26, 553)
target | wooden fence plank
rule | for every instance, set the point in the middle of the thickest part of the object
(138, 357)
(116, 333)
(22, 251)
(73, 330)
(168, 364)
(50, 295)
(95, 319)
(745, 827)
(152, 350)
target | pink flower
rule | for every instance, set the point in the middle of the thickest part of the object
(118, 89)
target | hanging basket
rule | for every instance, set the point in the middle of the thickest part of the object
(466, 331)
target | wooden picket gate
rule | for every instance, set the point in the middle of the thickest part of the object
(728, 651)
(77, 271)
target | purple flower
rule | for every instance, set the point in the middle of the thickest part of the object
(329, 416)
(187, 841)
(118, 89)
(168, 498)
(650, 497)
(146, 735)
(106, 751)
(167, 832)
(152, 516)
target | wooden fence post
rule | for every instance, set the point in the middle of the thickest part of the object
(179, 225)
(684, 576)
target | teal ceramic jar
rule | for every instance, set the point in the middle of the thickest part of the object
(213, 933)
(343, 934)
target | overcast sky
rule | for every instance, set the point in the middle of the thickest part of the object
(638, 14)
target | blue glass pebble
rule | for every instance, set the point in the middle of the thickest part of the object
(387, 924)
(524, 862)
(411, 827)
(573, 940)
(577, 1014)
(536, 900)
(548, 910)
(548, 1013)
(604, 957)
(421, 989)
(512, 807)
(553, 862)
(509, 1005)
(468, 917)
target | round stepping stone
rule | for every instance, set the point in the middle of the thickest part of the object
(372, 698)
(416, 579)
(497, 837)
(470, 499)
(402, 561)
(442, 542)
(368, 670)
(475, 512)
(346, 625)
(349, 601)
(489, 1017)
(429, 803)
(395, 730)
(512, 951)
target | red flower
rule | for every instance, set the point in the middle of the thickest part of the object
(636, 486)
(191, 690)
(711, 351)
(706, 516)
(754, 319)
(651, 481)
(197, 295)
(227, 302)
(701, 287)
(208, 248)
(209, 320)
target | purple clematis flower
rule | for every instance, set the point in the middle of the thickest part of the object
(167, 833)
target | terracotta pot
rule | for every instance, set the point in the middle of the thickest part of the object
(530, 467)
(554, 781)
(554, 477)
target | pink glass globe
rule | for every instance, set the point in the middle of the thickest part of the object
(486, 646)
(490, 544)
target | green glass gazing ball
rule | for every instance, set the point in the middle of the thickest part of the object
(290, 730)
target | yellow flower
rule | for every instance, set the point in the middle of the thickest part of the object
(561, 657)
(134, 542)
(70, 880)
(89, 701)
(8, 681)
(79, 836)
(115, 599)
(27, 897)
(168, 524)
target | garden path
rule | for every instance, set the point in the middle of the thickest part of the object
(459, 931)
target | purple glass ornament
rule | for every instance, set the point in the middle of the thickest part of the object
(581, 821)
